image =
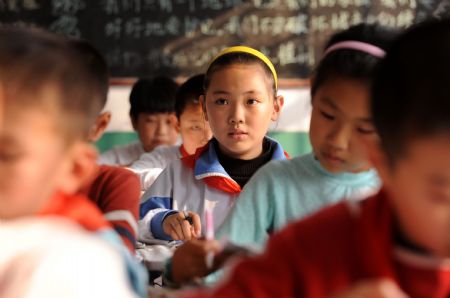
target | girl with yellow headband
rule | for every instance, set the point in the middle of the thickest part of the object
(240, 101)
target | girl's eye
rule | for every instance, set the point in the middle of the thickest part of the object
(252, 101)
(365, 131)
(327, 116)
(150, 120)
(195, 128)
(221, 101)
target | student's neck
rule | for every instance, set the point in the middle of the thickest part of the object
(402, 239)
(242, 170)
(243, 156)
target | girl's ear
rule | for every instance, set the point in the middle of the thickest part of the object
(80, 168)
(277, 106)
(99, 127)
(202, 100)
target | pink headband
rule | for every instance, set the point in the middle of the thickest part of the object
(357, 45)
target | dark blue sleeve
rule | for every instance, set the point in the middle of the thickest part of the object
(157, 220)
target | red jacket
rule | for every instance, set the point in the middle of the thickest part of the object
(333, 249)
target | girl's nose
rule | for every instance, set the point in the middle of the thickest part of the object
(236, 115)
(235, 121)
(339, 138)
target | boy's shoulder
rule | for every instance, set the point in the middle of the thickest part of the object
(164, 149)
(161, 153)
(122, 155)
(130, 147)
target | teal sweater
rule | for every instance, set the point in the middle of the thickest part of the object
(287, 190)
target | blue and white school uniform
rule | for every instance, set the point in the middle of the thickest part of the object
(191, 183)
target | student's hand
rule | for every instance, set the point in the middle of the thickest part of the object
(179, 227)
(377, 288)
(189, 260)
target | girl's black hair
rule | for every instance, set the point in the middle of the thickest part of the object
(237, 58)
(352, 63)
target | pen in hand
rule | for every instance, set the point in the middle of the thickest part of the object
(183, 225)
(188, 217)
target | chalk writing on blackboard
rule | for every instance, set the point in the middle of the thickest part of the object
(179, 37)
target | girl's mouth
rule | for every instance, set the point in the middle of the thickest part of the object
(238, 135)
(333, 159)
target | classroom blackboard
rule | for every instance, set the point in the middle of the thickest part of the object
(179, 37)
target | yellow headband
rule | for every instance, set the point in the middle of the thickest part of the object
(251, 51)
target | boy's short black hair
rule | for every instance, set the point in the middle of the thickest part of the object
(41, 70)
(411, 92)
(351, 63)
(188, 94)
(155, 95)
(99, 72)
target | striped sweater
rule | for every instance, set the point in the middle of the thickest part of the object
(116, 192)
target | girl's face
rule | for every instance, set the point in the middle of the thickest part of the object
(341, 124)
(239, 106)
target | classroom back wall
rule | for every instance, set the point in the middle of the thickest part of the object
(291, 130)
